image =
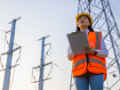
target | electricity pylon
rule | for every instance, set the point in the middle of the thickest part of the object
(42, 65)
(9, 58)
(103, 20)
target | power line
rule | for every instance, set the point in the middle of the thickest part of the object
(50, 60)
(59, 63)
(10, 11)
(34, 26)
(59, 67)
(3, 50)
(34, 78)
(1, 62)
(115, 83)
(56, 61)
(53, 58)
(4, 21)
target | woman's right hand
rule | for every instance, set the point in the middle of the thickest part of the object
(70, 56)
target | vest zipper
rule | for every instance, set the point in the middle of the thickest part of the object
(87, 61)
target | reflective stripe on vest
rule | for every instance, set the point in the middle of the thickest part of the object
(97, 61)
(97, 40)
(90, 59)
(79, 62)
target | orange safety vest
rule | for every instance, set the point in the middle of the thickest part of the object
(96, 65)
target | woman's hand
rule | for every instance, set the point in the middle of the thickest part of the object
(90, 50)
(70, 56)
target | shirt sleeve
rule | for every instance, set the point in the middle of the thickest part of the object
(69, 50)
(103, 52)
(70, 54)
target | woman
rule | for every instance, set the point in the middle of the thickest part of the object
(90, 67)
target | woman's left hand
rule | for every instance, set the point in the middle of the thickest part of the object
(90, 50)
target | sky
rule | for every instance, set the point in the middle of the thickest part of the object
(40, 18)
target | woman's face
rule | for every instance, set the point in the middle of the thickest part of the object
(83, 21)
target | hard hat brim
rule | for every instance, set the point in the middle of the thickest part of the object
(84, 14)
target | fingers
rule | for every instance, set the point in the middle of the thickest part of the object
(70, 56)
(89, 49)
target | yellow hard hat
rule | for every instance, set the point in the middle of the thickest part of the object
(84, 14)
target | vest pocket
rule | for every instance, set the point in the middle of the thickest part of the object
(78, 65)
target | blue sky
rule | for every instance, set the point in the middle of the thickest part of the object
(40, 18)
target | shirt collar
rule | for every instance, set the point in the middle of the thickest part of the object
(87, 31)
